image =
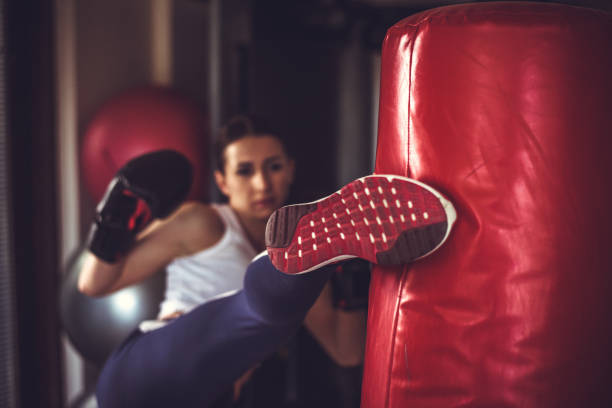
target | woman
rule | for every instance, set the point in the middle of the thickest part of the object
(210, 329)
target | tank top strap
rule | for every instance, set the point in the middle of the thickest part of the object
(227, 216)
(231, 221)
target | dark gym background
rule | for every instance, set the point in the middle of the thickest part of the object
(309, 65)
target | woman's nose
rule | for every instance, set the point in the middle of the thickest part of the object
(261, 181)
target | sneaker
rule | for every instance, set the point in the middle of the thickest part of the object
(385, 219)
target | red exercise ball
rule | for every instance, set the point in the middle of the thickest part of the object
(139, 121)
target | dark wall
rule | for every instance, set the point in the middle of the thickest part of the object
(30, 101)
(294, 75)
(293, 82)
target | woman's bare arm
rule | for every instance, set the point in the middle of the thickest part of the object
(192, 228)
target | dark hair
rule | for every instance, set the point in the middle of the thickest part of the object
(239, 127)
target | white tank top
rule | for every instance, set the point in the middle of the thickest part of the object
(214, 272)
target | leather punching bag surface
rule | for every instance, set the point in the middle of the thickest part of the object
(506, 108)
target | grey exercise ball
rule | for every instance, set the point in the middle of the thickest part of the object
(96, 326)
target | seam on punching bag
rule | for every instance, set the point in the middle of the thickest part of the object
(415, 37)
(411, 41)
(400, 290)
(405, 268)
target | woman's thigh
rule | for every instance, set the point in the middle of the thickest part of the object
(193, 359)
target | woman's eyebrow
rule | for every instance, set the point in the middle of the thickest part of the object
(244, 164)
(273, 158)
(249, 163)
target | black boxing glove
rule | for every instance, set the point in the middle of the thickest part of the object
(147, 187)
(350, 284)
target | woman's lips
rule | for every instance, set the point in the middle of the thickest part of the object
(266, 202)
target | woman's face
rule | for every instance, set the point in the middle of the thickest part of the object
(257, 175)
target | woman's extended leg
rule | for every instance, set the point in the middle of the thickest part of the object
(193, 359)
(382, 218)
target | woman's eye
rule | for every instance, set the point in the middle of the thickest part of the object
(244, 171)
(276, 166)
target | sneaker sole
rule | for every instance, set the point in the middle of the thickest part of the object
(385, 219)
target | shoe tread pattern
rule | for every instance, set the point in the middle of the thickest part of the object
(382, 219)
(282, 223)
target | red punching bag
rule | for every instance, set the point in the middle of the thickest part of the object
(140, 121)
(506, 108)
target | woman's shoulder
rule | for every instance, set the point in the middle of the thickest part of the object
(199, 224)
